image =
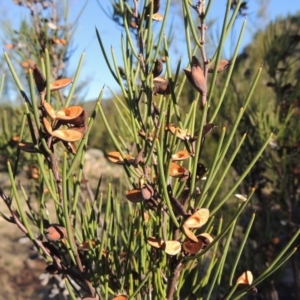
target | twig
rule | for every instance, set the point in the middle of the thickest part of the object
(200, 9)
(176, 267)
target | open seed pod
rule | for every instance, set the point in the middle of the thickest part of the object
(206, 238)
(161, 86)
(55, 232)
(120, 297)
(27, 147)
(191, 246)
(171, 247)
(75, 115)
(70, 147)
(223, 64)
(189, 234)
(70, 113)
(246, 278)
(157, 17)
(59, 84)
(197, 219)
(182, 134)
(87, 245)
(117, 158)
(49, 110)
(176, 170)
(47, 126)
(72, 134)
(181, 155)
(135, 196)
(155, 242)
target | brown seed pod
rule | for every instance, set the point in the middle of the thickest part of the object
(87, 245)
(52, 269)
(26, 64)
(201, 170)
(33, 172)
(27, 147)
(39, 79)
(186, 175)
(49, 110)
(155, 6)
(59, 84)
(52, 250)
(120, 297)
(59, 41)
(182, 134)
(181, 155)
(246, 278)
(157, 17)
(139, 158)
(70, 147)
(158, 68)
(77, 121)
(55, 232)
(155, 242)
(206, 238)
(197, 76)
(176, 170)
(172, 247)
(135, 196)
(116, 157)
(161, 86)
(47, 126)
(192, 247)
(197, 219)
(223, 64)
(69, 113)
(72, 134)
(189, 234)
(147, 191)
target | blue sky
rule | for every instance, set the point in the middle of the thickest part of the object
(94, 68)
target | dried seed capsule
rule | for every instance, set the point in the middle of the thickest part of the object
(55, 232)
(197, 76)
(191, 246)
(39, 79)
(223, 64)
(155, 5)
(59, 84)
(161, 86)
(135, 196)
(197, 219)
(158, 68)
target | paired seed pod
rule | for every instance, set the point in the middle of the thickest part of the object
(55, 232)
(169, 247)
(72, 134)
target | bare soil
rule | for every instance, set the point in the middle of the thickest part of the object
(19, 279)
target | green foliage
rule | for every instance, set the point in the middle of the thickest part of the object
(275, 107)
(171, 236)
